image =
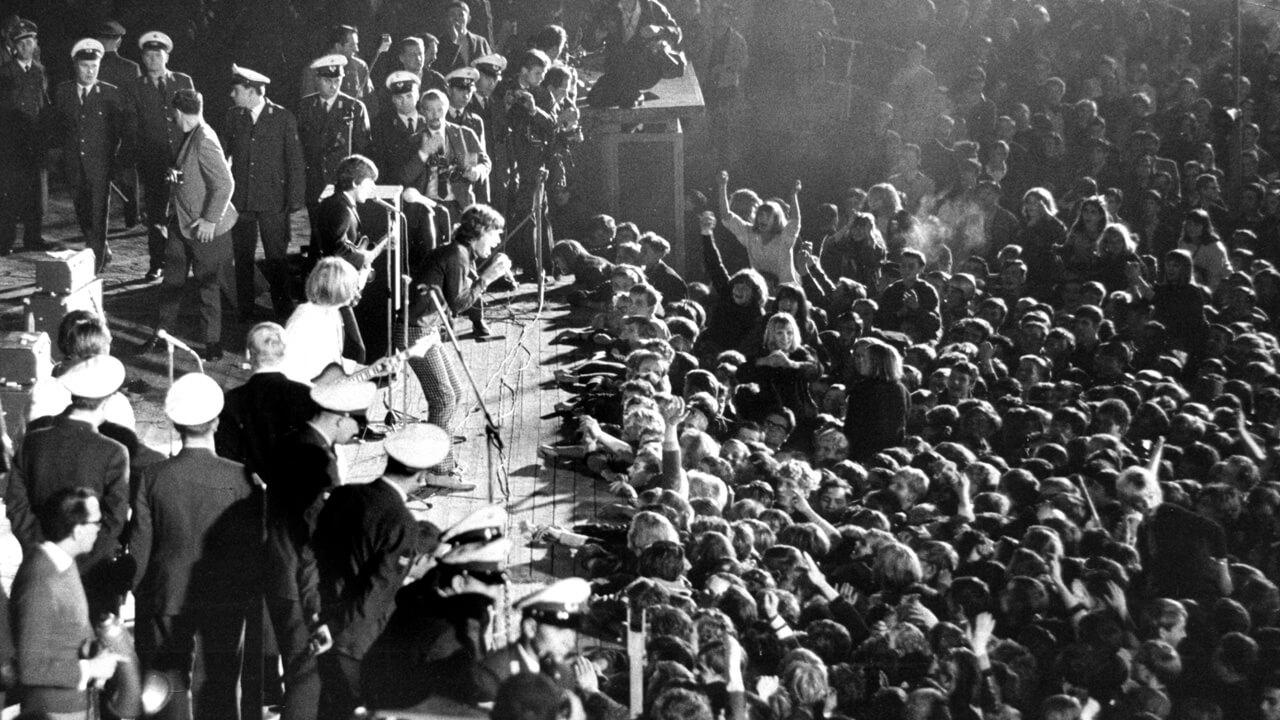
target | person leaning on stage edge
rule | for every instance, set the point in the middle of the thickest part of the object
(158, 139)
(24, 181)
(93, 123)
(71, 453)
(365, 542)
(196, 522)
(266, 162)
(201, 224)
(51, 613)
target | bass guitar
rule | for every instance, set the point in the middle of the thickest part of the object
(335, 373)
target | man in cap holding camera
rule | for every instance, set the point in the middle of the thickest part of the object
(201, 223)
(266, 161)
(93, 123)
(365, 542)
(158, 138)
(71, 453)
(196, 521)
(24, 182)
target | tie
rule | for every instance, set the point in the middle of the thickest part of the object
(83, 92)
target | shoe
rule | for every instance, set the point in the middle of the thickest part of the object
(152, 346)
(458, 439)
(448, 482)
(480, 330)
(106, 259)
(212, 352)
(502, 284)
(154, 274)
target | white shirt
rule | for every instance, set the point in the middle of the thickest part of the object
(313, 338)
(328, 104)
(61, 560)
(408, 121)
(256, 111)
(25, 65)
(771, 257)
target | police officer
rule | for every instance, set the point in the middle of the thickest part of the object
(332, 126)
(490, 69)
(266, 162)
(93, 122)
(158, 139)
(365, 542)
(121, 72)
(396, 133)
(24, 182)
(549, 623)
(462, 88)
(439, 633)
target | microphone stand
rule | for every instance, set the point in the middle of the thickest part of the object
(491, 429)
(169, 346)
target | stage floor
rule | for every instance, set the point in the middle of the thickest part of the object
(514, 370)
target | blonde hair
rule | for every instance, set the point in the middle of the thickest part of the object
(777, 321)
(332, 283)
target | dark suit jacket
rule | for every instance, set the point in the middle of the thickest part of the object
(206, 187)
(364, 542)
(463, 149)
(91, 134)
(295, 495)
(50, 623)
(330, 136)
(258, 417)
(451, 55)
(338, 229)
(24, 96)
(394, 143)
(196, 521)
(69, 454)
(468, 119)
(119, 71)
(619, 50)
(159, 137)
(266, 160)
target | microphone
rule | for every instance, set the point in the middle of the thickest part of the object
(175, 342)
(385, 204)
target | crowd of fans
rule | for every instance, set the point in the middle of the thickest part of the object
(993, 436)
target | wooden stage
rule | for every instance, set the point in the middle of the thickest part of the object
(515, 371)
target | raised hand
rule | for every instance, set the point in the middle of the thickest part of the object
(707, 222)
(585, 676)
(980, 634)
(722, 178)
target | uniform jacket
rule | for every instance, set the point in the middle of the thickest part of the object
(329, 136)
(258, 417)
(206, 187)
(364, 542)
(93, 132)
(50, 623)
(394, 143)
(355, 79)
(462, 149)
(69, 454)
(159, 137)
(510, 660)
(24, 97)
(119, 71)
(196, 520)
(266, 160)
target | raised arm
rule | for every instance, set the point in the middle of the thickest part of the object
(711, 259)
(792, 230)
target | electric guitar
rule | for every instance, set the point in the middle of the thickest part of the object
(363, 275)
(334, 372)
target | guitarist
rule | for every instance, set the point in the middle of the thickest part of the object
(452, 272)
(338, 235)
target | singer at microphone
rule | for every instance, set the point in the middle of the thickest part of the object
(457, 272)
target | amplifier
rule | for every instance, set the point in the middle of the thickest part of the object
(65, 272)
(48, 310)
(25, 357)
(15, 403)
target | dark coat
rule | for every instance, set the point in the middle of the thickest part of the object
(329, 136)
(196, 521)
(877, 417)
(91, 134)
(338, 230)
(394, 143)
(69, 454)
(24, 97)
(266, 160)
(158, 135)
(257, 418)
(451, 56)
(119, 71)
(295, 494)
(473, 121)
(365, 542)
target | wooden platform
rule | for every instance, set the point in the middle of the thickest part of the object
(515, 372)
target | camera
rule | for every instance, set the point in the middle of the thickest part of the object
(175, 176)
